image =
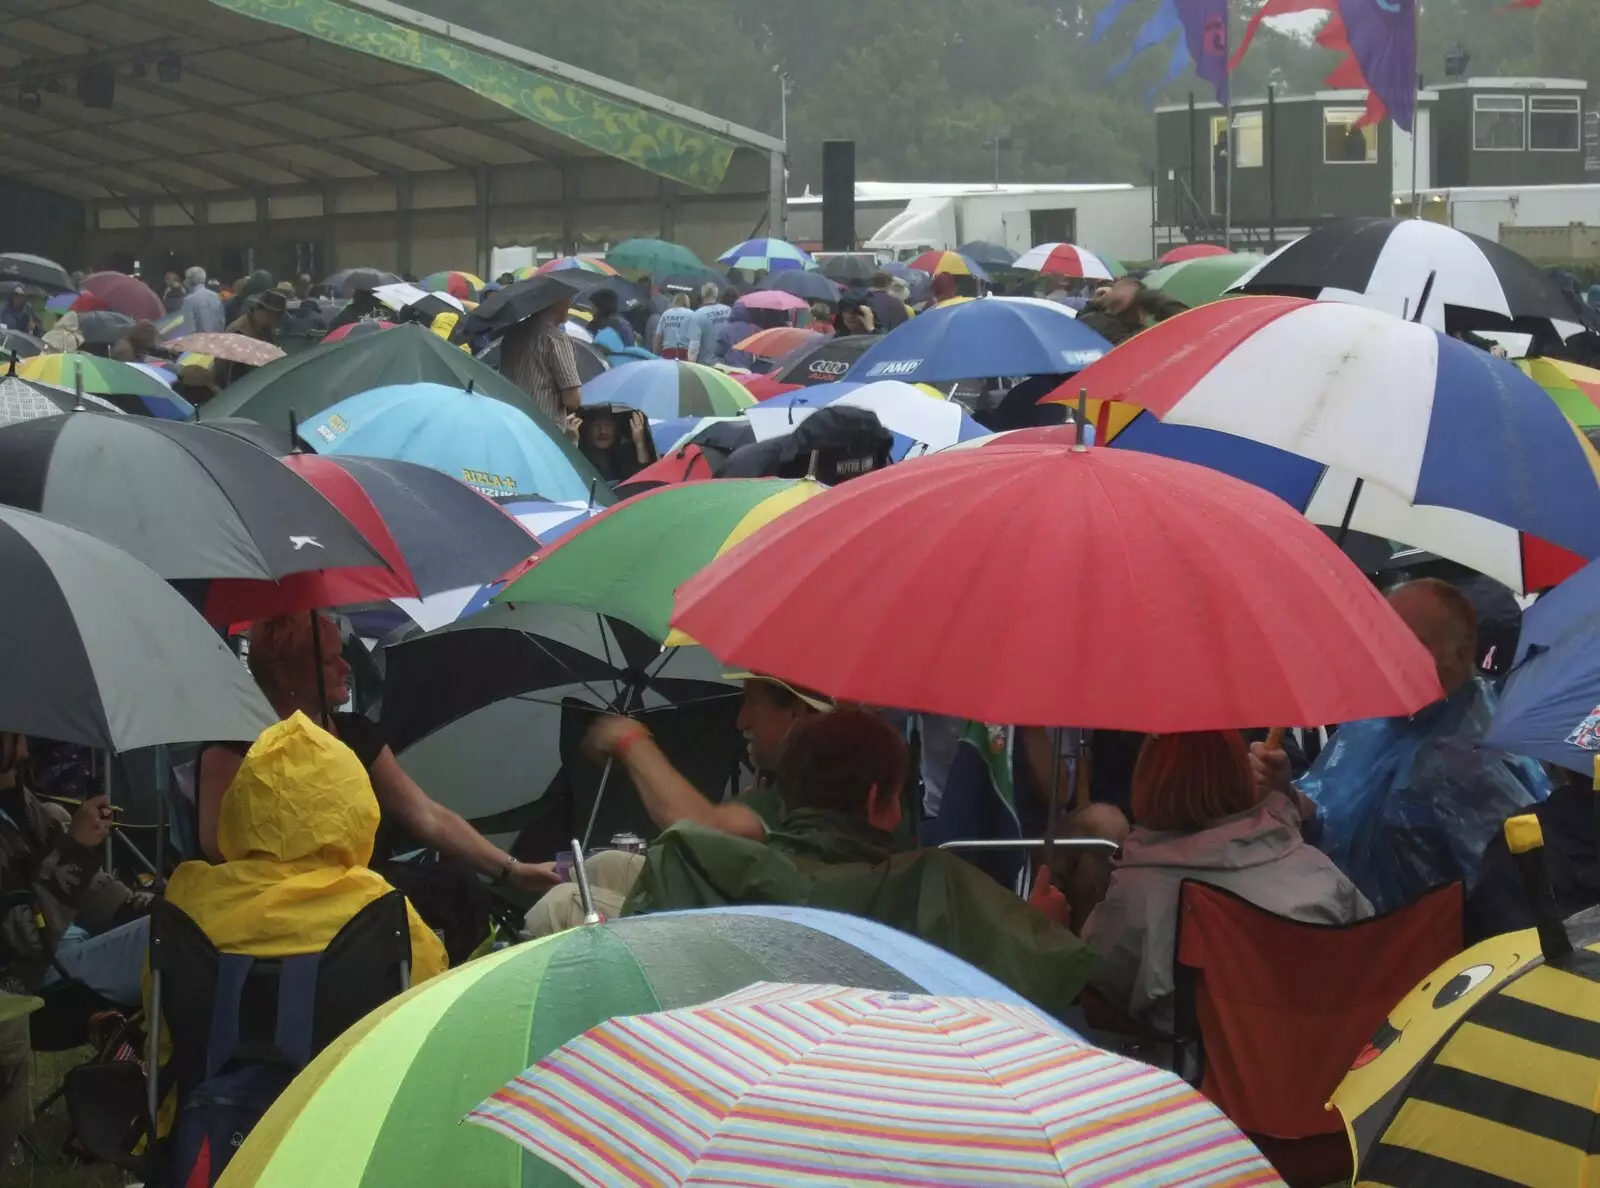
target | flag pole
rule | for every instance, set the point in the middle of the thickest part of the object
(1227, 131)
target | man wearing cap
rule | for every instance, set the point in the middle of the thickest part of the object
(262, 313)
(770, 711)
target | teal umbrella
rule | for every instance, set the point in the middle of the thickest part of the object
(656, 257)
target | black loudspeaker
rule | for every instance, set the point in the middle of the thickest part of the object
(96, 86)
(838, 195)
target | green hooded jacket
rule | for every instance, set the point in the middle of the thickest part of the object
(838, 863)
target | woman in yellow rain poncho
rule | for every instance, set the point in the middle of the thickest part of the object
(296, 831)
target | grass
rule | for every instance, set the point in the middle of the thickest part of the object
(49, 1132)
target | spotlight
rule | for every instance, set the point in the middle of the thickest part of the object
(169, 68)
(28, 99)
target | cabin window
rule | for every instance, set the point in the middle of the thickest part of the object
(1247, 146)
(1343, 141)
(1498, 123)
(1553, 123)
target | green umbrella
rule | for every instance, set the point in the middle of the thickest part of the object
(628, 561)
(666, 389)
(100, 377)
(1201, 281)
(655, 257)
(382, 1106)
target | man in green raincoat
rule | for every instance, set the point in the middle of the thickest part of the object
(840, 777)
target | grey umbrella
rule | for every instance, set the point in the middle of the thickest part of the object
(99, 650)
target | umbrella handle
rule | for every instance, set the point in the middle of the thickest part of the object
(1274, 739)
(581, 877)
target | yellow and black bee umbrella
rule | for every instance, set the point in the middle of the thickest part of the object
(1488, 1074)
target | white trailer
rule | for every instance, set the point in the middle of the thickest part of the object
(1511, 214)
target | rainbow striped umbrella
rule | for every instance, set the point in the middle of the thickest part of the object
(566, 263)
(380, 1107)
(825, 1085)
(1574, 388)
(463, 286)
(129, 388)
(950, 263)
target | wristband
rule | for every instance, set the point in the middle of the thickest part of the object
(623, 746)
(504, 872)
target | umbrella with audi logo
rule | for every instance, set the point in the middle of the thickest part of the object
(821, 361)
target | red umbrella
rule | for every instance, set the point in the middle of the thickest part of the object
(236, 601)
(125, 294)
(1193, 251)
(764, 387)
(1053, 586)
(356, 329)
(680, 466)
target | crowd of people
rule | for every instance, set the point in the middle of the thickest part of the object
(842, 805)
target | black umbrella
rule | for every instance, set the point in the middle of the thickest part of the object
(848, 270)
(98, 650)
(187, 501)
(27, 400)
(821, 361)
(989, 255)
(348, 281)
(1470, 282)
(102, 327)
(808, 286)
(833, 444)
(19, 345)
(516, 303)
(34, 270)
(591, 360)
(273, 439)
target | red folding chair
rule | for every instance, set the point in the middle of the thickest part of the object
(1277, 1010)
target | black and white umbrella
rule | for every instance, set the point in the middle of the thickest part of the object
(188, 501)
(1461, 281)
(98, 650)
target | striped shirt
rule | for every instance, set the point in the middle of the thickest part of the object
(537, 357)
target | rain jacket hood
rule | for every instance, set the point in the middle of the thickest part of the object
(296, 830)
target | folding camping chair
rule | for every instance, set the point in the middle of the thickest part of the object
(1270, 1012)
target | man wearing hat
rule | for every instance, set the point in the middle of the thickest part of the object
(770, 711)
(262, 313)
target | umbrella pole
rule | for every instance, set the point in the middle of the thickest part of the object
(162, 776)
(1083, 420)
(316, 658)
(581, 877)
(1052, 801)
(1349, 512)
(1427, 289)
(594, 812)
(105, 787)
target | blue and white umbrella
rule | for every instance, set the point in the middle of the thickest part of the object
(902, 409)
(990, 336)
(546, 519)
(765, 255)
(486, 443)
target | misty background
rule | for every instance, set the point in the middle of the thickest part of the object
(923, 86)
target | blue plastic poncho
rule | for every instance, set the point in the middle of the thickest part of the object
(1406, 804)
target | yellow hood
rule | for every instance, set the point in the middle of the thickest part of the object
(300, 794)
(296, 829)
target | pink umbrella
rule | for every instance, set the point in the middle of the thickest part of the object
(773, 299)
(125, 294)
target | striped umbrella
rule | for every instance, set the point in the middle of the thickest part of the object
(949, 263)
(1192, 251)
(1066, 259)
(666, 388)
(125, 386)
(1416, 437)
(628, 561)
(592, 264)
(1201, 280)
(1574, 388)
(766, 255)
(463, 286)
(380, 1107)
(827, 1085)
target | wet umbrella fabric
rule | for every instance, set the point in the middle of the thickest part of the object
(351, 280)
(992, 336)
(235, 348)
(82, 621)
(18, 344)
(811, 286)
(24, 401)
(34, 270)
(125, 294)
(188, 502)
(515, 304)
(822, 361)
(990, 255)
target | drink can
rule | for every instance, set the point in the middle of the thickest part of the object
(628, 843)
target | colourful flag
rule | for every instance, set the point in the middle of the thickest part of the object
(1205, 29)
(1274, 8)
(1383, 41)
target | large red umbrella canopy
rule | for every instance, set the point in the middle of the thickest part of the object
(1052, 586)
(125, 294)
(1193, 251)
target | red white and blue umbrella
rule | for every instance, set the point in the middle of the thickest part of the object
(1063, 259)
(765, 255)
(1415, 436)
